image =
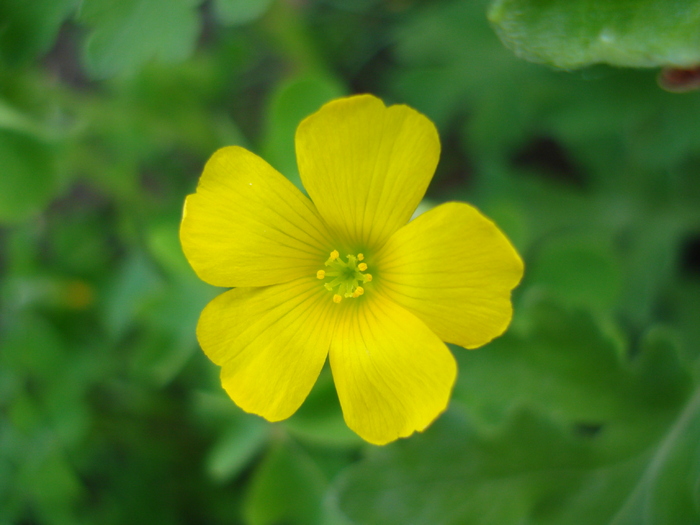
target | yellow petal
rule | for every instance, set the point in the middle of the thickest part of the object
(393, 375)
(366, 166)
(249, 226)
(271, 343)
(454, 269)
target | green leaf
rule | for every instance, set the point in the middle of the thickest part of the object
(29, 28)
(576, 33)
(237, 447)
(530, 471)
(320, 419)
(240, 12)
(29, 175)
(128, 33)
(453, 475)
(576, 370)
(292, 101)
(580, 270)
(287, 488)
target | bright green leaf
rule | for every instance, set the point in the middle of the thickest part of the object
(577, 33)
(128, 33)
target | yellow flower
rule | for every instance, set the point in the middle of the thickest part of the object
(345, 274)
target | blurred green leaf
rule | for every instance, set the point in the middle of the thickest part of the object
(133, 288)
(238, 445)
(320, 419)
(29, 28)
(293, 100)
(577, 33)
(287, 488)
(239, 12)
(125, 34)
(579, 270)
(29, 175)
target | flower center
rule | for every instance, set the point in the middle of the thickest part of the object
(346, 278)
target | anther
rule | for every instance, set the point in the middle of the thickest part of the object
(368, 277)
(320, 274)
(337, 298)
(358, 292)
(334, 255)
(360, 257)
(362, 267)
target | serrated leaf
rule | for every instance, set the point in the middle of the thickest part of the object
(453, 475)
(575, 369)
(577, 33)
(128, 33)
(530, 471)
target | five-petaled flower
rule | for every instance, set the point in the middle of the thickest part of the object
(345, 274)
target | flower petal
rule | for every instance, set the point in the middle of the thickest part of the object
(249, 226)
(366, 166)
(270, 342)
(454, 269)
(393, 375)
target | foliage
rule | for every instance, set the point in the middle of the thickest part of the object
(587, 411)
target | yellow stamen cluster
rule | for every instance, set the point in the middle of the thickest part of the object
(346, 276)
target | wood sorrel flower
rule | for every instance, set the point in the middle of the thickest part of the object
(344, 273)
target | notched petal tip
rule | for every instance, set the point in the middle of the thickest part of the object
(366, 166)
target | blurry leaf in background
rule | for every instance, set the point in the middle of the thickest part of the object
(320, 419)
(292, 101)
(578, 33)
(237, 446)
(287, 488)
(29, 28)
(125, 34)
(239, 12)
(28, 175)
(579, 270)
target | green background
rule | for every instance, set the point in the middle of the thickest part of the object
(587, 411)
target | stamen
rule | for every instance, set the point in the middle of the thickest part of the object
(344, 278)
